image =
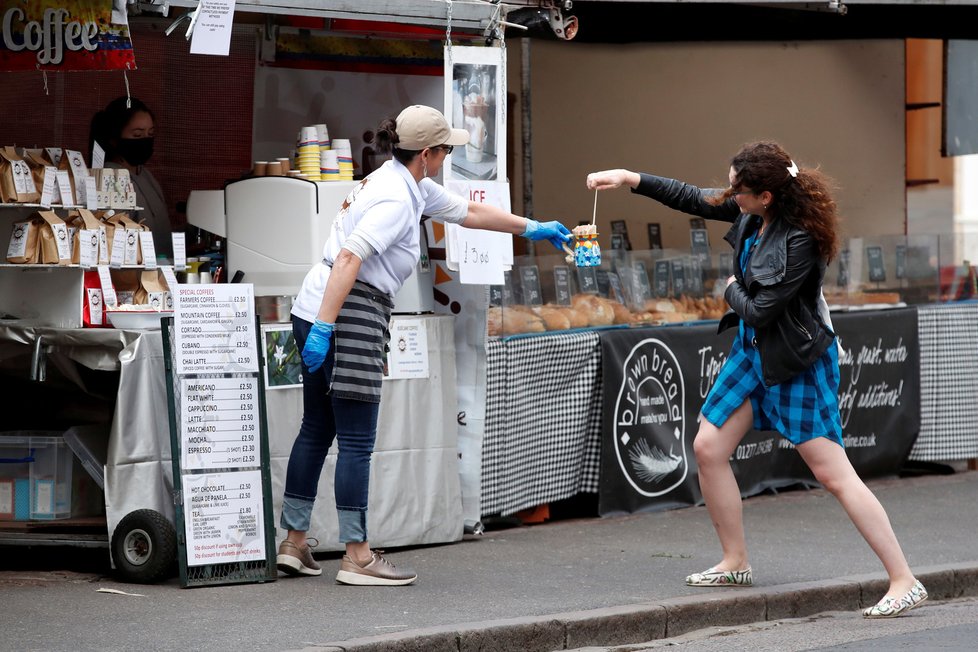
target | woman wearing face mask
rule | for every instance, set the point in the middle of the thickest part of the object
(125, 130)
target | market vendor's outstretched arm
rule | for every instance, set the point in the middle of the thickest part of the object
(493, 218)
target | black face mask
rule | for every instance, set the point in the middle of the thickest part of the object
(136, 151)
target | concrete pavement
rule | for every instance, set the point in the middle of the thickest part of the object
(560, 585)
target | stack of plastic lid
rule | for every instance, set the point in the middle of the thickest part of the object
(307, 156)
(329, 166)
(344, 155)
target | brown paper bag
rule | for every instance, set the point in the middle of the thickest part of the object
(39, 161)
(122, 220)
(25, 240)
(152, 289)
(16, 179)
(55, 242)
(74, 162)
(126, 284)
(82, 220)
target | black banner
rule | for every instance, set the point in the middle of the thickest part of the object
(655, 381)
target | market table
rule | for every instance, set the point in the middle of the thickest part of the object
(546, 407)
(415, 491)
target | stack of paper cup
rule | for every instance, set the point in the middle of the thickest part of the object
(322, 135)
(329, 166)
(307, 158)
(344, 155)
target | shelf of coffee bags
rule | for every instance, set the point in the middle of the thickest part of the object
(56, 295)
(69, 207)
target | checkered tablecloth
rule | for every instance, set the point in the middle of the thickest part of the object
(543, 420)
(948, 382)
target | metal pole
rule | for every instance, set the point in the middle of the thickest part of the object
(526, 136)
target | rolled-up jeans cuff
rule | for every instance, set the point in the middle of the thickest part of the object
(296, 513)
(353, 525)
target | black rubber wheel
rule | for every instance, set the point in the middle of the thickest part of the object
(144, 547)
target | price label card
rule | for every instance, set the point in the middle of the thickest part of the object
(562, 285)
(699, 240)
(91, 193)
(478, 258)
(88, 247)
(678, 277)
(223, 518)
(169, 276)
(95, 306)
(118, 247)
(215, 326)
(219, 423)
(63, 241)
(877, 271)
(108, 291)
(640, 277)
(587, 280)
(148, 248)
(50, 185)
(131, 246)
(179, 250)
(661, 278)
(655, 235)
(530, 282)
(64, 188)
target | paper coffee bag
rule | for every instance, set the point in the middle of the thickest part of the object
(85, 242)
(153, 290)
(16, 179)
(25, 239)
(55, 243)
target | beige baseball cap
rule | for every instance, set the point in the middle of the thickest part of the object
(420, 126)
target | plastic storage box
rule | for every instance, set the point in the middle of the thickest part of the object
(35, 477)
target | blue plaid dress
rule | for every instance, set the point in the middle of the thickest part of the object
(800, 408)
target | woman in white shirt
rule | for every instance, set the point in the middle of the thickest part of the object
(340, 319)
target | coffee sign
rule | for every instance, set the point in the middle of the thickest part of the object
(75, 35)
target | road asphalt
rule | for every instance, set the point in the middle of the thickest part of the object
(563, 584)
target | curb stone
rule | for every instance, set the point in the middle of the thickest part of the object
(643, 622)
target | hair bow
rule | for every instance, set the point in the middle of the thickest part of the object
(793, 169)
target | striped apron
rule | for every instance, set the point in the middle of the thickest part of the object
(361, 338)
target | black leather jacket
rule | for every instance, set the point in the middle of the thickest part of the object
(778, 295)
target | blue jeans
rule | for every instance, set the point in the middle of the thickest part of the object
(326, 417)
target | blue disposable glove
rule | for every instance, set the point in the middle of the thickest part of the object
(317, 344)
(554, 231)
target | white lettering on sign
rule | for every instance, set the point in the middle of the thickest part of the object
(49, 36)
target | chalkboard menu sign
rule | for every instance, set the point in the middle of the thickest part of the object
(678, 277)
(696, 223)
(530, 282)
(495, 295)
(618, 241)
(901, 261)
(877, 272)
(562, 285)
(655, 236)
(587, 280)
(661, 278)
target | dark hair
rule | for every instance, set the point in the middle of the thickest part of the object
(804, 200)
(387, 140)
(107, 124)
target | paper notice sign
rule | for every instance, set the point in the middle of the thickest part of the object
(212, 33)
(118, 247)
(108, 291)
(91, 193)
(88, 247)
(64, 188)
(169, 276)
(132, 242)
(179, 251)
(148, 249)
(50, 184)
(480, 256)
(95, 306)
(408, 356)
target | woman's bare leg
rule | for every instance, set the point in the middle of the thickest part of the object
(831, 466)
(713, 447)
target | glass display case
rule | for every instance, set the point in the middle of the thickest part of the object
(546, 293)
